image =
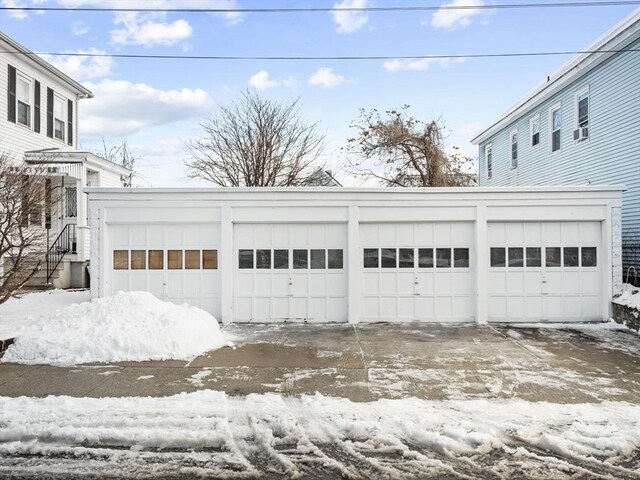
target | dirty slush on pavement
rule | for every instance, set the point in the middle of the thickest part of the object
(595, 364)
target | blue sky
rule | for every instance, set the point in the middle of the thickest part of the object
(157, 104)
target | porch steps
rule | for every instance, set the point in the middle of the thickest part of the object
(39, 280)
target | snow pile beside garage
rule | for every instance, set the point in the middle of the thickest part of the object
(132, 326)
(630, 297)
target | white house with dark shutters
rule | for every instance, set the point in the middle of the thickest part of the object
(580, 126)
(39, 128)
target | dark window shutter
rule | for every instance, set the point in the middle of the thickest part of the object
(36, 108)
(70, 122)
(49, 113)
(11, 95)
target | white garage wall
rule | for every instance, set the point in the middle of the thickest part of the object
(399, 218)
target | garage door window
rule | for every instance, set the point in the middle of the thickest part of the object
(516, 257)
(174, 259)
(405, 258)
(388, 256)
(121, 259)
(335, 259)
(425, 257)
(443, 257)
(461, 257)
(192, 259)
(589, 257)
(263, 259)
(371, 258)
(571, 257)
(553, 258)
(498, 257)
(138, 260)
(318, 259)
(210, 259)
(300, 259)
(156, 259)
(534, 257)
(245, 259)
(281, 259)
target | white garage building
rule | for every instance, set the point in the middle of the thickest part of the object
(363, 255)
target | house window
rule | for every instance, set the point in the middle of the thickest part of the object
(556, 127)
(534, 123)
(71, 202)
(488, 153)
(58, 116)
(514, 148)
(23, 94)
(582, 114)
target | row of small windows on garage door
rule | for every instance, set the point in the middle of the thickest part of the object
(406, 257)
(300, 259)
(553, 256)
(157, 259)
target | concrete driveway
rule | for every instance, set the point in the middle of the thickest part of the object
(565, 364)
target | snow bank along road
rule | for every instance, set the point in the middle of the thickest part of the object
(208, 434)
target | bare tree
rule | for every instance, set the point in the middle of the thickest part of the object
(398, 150)
(123, 155)
(255, 142)
(26, 199)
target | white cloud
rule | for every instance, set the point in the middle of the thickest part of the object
(325, 77)
(263, 81)
(122, 108)
(347, 22)
(19, 14)
(79, 28)
(420, 65)
(148, 30)
(83, 68)
(450, 19)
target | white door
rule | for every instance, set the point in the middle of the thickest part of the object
(175, 262)
(290, 273)
(545, 271)
(417, 271)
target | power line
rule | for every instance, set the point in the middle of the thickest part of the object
(332, 58)
(597, 3)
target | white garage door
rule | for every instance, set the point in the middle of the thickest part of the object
(545, 271)
(175, 262)
(419, 271)
(290, 273)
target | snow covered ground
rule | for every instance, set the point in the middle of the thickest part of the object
(630, 296)
(133, 326)
(208, 434)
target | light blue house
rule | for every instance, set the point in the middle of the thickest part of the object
(580, 126)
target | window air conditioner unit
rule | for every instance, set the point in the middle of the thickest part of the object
(580, 134)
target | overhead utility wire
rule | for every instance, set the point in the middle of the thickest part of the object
(337, 58)
(496, 6)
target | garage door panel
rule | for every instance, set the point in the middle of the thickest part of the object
(533, 283)
(300, 284)
(572, 307)
(515, 283)
(318, 284)
(406, 309)
(280, 308)
(405, 234)
(336, 285)
(387, 234)
(299, 308)
(498, 308)
(370, 283)
(318, 308)
(244, 286)
(515, 233)
(533, 308)
(443, 283)
(571, 283)
(425, 283)
(388, 307)
(533, 233)
(424, 308)
(261, 309)
(388, 283)
(120, 282)
(371, 307)
(336, 308)
(463, 309)
(570, 233)
(515, 307)
(406, 283)
(497, 283)
(590, 232)
(137, 281)
(444, 308)
(463, 284)
(443, 236)
(591, 308)
(590, 283)
(280, 282)
(262, 285)
(423, 234)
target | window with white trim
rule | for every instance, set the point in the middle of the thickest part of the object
(514, 148)
(582, 115)
(488, 155)
(534, 127)
(59, 118)
(555, 123)
(23, 99)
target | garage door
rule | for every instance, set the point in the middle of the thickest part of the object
(175, 262)
(290, 273)
(545, 271)
(418, 272)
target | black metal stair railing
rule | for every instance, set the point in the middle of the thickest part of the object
(65, 243)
